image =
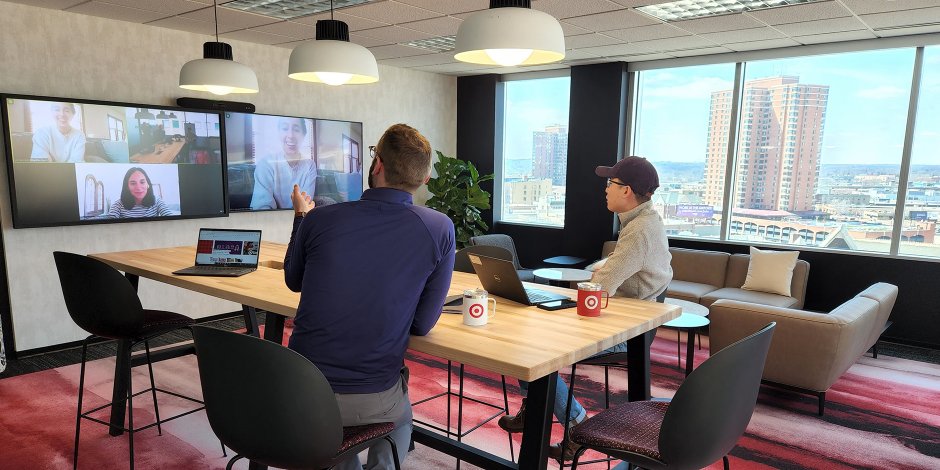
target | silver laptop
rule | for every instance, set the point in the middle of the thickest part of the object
(499, 277)
(225, 252)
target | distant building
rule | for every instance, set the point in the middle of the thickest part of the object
(779, 144)
(550, 154)
(528, 192)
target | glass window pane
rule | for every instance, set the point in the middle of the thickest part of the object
(535, 151)
(922, 208)
(682, 127)
(819, 150)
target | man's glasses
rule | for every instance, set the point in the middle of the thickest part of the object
(372, 151)
(609, 181)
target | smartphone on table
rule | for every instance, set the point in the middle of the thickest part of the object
(558, 304)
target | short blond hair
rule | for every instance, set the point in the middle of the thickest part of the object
(406, 156)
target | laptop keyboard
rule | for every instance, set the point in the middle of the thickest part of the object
(538, 296)
(226, 269)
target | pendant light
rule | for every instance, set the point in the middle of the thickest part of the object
(510, 33)
(216, 72)
(331, 58)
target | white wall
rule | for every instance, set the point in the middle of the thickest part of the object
(53, 53)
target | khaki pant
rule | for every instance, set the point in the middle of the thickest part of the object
(392, 405)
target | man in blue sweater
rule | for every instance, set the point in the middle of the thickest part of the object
(370, 273)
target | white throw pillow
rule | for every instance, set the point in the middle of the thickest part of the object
(770, 271)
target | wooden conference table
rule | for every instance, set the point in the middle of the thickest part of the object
(520, 341)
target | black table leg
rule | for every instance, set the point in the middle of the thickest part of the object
(690, 350)
(274, 327)
(122, 380)
(251, 321)
(638, 366)
(536, 433)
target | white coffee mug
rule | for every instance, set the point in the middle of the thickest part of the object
(475, 307)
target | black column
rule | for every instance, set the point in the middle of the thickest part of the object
(476, 129)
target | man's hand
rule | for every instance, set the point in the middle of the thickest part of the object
(302, 202)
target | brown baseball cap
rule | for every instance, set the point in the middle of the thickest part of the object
(636, 172)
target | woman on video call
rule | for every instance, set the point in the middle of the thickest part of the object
(137, 198)
(276, 175)
(59, 141)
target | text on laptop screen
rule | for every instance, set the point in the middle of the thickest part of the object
(228, 247)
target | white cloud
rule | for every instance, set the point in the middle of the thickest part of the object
(698, 88)
(882, 92)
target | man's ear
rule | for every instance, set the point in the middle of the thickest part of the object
(377, 167)
(426, 179)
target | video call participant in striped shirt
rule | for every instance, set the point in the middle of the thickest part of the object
(137, 198)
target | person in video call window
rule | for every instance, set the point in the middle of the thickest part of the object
(404, 253)
(59, 142)
(276, 175)
(137, 198)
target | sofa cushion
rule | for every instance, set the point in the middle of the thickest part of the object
(698, 266)
(770, 271)
(742, 295)
(685, 290)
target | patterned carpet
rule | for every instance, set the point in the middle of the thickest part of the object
(882, 414)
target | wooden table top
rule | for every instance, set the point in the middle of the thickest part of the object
(163, 153)
(520, 341)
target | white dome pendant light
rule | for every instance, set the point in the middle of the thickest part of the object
(510, 33)
(216, 72)
(331, 58)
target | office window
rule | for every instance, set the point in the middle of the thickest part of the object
(683, 116)
(922, 207)
(535, 151)
(828, 161)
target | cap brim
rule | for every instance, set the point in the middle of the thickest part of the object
(604, 171)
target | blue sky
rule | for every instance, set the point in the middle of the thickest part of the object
(531, 105)
(865, 118)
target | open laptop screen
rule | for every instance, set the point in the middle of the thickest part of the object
(228, 247)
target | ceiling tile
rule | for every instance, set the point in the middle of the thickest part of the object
(642, 57)
(451, 68)
(589, 40)
(702, 51)
(797, 13)
(117, 12)
(230, 20)
(864, 7)
(171, 7)
(186, 24)
(442, 26)
(390, 12)
(835, 37)
(54, 4)
(421, 60)
(394, 34)
(355, 23)
(366, 41)
(393, 51)
(715, 24)
(575, 55)
(742, 35)
(572, 30)
(758, 45)
(638, 3)
(674, 44)
(612, 50)
(889, 32)
(290, 29)
(647, 33)
(528, 68)
(613, 20)
(257, 37)
(832, 25)
(449, 7)
(921, 16)
(569, 9)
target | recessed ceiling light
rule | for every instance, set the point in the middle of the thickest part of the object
(689, 9)
(290, 9)
(440, 44)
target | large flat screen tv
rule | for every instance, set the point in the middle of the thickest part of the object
(268, 154)
(77, 162)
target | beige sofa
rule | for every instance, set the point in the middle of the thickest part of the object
(706, 276)
(810, 351)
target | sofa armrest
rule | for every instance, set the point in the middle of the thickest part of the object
(799, 281)
(809, 350)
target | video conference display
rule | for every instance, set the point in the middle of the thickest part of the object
(268, 154)
(73, 161)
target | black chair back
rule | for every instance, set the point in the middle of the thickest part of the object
(298, 426)
(712, 408)
(500, 240)
(462, 261)
(99, 299)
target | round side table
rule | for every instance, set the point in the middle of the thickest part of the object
(562, 277)
(693, 317)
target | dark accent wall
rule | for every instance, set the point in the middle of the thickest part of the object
(595, 137)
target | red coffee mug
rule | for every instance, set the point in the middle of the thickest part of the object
(589, 299)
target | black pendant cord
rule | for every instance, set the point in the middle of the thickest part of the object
(331, 9)
(215, 9)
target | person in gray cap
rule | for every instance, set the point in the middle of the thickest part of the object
(638, 268)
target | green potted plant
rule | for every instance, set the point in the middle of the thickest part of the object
(456, 192)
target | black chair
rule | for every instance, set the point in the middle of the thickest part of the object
(235, 369)
(702, 423)
(104, 303)
(504, 241)
(462, 264)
